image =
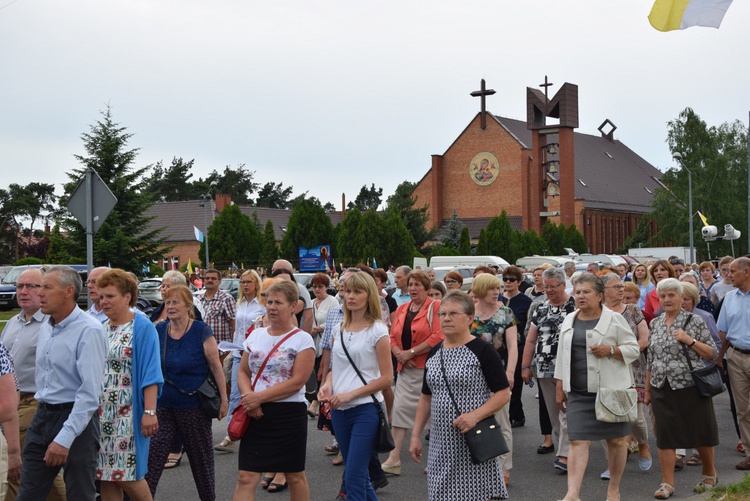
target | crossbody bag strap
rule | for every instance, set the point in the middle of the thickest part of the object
(346, 352)
(445, 378)
(273, 350)
(429, 315)
(684, 346)
(164, 364)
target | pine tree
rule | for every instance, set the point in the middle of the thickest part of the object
(232, 238)
(270, 249)
(124, 239)
(464, 242)
(308, 226)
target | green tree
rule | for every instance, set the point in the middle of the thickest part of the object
(575, 239)
(124, 239)
(717, 158)
(502, 240)
(24, 204)
(452, 232)
(639, 237)
(237, 182)
(308, 226)
(367, 199)
(414, 218)
(350, 240)
(232, 237)
(172, 183)
(531, 243)
(481, 249)
(554, 238)
(270, 249)
(274, 196)
(464, 242)
(59, 249)
(397, 244)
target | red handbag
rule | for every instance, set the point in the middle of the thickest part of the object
(240, 420)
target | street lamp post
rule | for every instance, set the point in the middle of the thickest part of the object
(678, 157)
(206, 202)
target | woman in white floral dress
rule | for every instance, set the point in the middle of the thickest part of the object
(131, 385)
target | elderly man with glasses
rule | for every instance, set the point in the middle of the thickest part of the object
(95, 310)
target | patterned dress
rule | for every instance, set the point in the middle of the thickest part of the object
(116, 461)
(473, 372)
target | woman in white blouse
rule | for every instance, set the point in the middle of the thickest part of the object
(361, 340)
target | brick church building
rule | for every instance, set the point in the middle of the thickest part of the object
(541, 169)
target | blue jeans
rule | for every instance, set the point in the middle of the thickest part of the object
(356, 429)
(234, 397)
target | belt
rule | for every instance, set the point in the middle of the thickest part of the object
(744, 352)
(56, 407)
(30, 394)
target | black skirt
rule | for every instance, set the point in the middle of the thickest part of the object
(276, 442)
(683, 419)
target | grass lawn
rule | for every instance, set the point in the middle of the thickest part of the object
(5, 315)
(733, 492)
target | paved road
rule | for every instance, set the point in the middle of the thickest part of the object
(532, 477)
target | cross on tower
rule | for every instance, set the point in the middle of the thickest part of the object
(546, 84)
(482, 94)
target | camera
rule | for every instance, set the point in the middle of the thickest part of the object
(730, 233)
(710, 231)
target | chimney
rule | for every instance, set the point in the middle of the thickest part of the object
(222, 200)
(609, 134)
(343, 206)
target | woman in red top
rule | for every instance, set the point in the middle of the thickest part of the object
(415, 331)
(660, 270)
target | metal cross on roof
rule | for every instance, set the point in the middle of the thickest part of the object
(546, 84)
(482, 94)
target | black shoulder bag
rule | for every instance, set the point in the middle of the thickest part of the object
(208, 392)
(485, 440)
(707, 379)
(384, 439)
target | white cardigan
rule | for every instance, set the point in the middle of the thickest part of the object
(610, 372)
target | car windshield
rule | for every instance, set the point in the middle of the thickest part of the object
(13, 275)
(149, 284)
(226, 285)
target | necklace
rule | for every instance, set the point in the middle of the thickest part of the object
(187, 328)
(411, 307)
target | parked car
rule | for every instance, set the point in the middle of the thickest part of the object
(4, 271)
(305, 278)
(8, 285)
(149, 289)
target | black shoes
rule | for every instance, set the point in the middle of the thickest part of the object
(545, 449)
(518, 424)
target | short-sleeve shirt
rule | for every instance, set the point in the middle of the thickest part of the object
(361, 347)
(6, 363)
(218, 312)
(281, 363)
(548, 320)
(734, 318)
(186, 365)
(487, 359)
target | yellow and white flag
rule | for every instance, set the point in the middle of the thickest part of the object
(668, 15)
(703, 218)
(190, 267)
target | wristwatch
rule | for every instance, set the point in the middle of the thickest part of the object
(611, 351)
(691, 344)
(412, 351)
(149, 412)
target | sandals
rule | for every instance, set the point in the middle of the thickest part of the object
(704, 486)
(266, 481)
(664, 491)
(225, 445)
(332, 449)
(173, 463)
(695, 460)
(338, 460)
(278, 487)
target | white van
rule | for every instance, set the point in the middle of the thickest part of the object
(473, 261)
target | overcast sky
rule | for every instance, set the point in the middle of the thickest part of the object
(329, 95)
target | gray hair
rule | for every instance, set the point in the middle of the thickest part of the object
(568, 265)
(555, 273)
(608, 277)
(462, 299)
(575, 277)
(67, 277)
(597, 282)
(404, 269)
(175, 277)
(669, 284)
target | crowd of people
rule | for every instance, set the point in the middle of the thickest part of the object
(101, 402)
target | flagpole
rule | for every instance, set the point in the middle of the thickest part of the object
(748, 184)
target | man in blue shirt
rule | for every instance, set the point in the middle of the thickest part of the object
(70, 357)
(401, 294)
(734, 330)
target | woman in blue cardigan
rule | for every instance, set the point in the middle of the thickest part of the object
(131, 385)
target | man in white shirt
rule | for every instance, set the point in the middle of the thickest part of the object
(95, 311)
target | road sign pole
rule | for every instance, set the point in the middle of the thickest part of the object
(89, 226)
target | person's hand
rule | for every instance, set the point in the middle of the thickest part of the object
(404, 356)
(14, 467)
(324, 393)
(56, 455)
(682, 337)
(340, 399)
(526, 375)
(647, 397)
(250, 401)
(415, 449)
(149, 425)
(601, 350)
(223, 409)
(410, 364)
(562, 400)
(509, 375)
(255, 413)
(465, 422)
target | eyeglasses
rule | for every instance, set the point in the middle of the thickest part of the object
(618, 287)
(551, 287)
(450, 314)
(29, 287)
(91, 282)
(510, 279)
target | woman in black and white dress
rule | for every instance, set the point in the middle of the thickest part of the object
(475, 374)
